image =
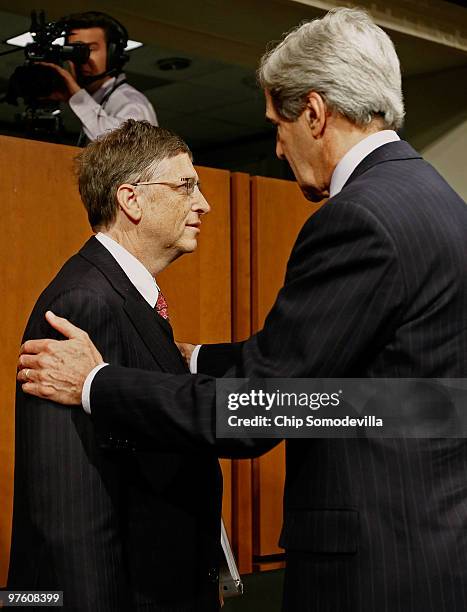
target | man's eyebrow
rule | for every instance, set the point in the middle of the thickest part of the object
(88, 44)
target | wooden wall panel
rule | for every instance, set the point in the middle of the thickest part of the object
(279, 210)
(241, 329)
(241, 257)
(42, 223)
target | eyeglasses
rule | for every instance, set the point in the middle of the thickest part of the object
(188, 183)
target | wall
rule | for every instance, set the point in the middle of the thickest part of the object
(435, 125)
(436, 122)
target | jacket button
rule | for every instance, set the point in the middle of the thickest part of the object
(213, 574)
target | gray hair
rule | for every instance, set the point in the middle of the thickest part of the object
(347, 59)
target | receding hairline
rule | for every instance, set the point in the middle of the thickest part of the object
(158, 168)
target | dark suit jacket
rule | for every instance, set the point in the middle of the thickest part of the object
(115, 528)
(376, 286)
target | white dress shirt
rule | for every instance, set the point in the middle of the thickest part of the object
(140, 277)
(355, 155)
(125, 102)
(339, 177)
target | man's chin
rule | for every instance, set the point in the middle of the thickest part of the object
(189, 246)
(314, 195)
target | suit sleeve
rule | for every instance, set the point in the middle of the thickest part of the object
(217, 359)
(58, 464)
(341, 300)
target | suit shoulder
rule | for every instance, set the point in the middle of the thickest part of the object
(77, 275)
(78, 290)
(406, 198)
(406, 208)
(403, 185)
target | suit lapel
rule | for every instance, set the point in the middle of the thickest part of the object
(155, 332)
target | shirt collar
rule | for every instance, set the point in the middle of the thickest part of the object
(103, 89)
(355, 155)
(138, 275)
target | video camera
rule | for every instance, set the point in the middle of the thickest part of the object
(33, 82)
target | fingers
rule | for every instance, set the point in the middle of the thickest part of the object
(186, 349)
(30, 368)
(50, 65)
(26, 375)
(64, 326)
(72, 69)
(35, 383)
(35, 356)
(181, 348)
(37, 389)
(28, 361)
(52, 394)
(30, 387)
(33, 347)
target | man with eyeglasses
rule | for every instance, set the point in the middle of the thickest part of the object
(115, 528)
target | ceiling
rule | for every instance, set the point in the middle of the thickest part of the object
(210, 101)
(215, 100)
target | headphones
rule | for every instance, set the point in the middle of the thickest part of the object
(115, 33)
(116, 56)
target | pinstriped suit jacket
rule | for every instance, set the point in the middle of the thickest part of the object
(376, 286)
(114, 528)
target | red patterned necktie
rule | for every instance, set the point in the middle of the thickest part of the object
(161, 306)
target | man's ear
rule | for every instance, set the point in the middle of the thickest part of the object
(315, 113)
(128, 202)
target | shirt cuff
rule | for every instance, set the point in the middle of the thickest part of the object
(194, 359)
(86, 392)
(87, 110)
(83, 104)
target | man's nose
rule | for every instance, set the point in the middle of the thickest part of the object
(200, 205)
(279, 150)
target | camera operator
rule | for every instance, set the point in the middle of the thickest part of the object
(97, 91)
